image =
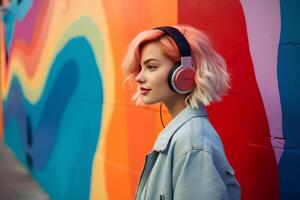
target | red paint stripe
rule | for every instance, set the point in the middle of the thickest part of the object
(240, 119)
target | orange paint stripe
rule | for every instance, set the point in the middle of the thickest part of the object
(126, 138)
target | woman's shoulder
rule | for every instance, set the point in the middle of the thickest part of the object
(196, 134)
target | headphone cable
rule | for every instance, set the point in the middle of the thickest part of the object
(161, 119)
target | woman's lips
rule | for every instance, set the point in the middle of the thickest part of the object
(144, 91)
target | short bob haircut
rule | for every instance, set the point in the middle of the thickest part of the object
(211, 77)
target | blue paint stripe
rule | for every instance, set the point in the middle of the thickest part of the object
(289, 84)
(65, 122)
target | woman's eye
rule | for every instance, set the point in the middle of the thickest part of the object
(151, 67)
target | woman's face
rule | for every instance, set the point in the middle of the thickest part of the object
(152, 79)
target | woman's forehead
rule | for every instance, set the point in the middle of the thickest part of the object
(151, 51)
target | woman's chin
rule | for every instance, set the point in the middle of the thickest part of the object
(149, 101)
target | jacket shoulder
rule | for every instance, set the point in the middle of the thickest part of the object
(196, 134)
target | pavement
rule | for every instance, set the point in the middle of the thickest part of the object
(15, 182)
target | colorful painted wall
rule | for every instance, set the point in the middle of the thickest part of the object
(70, 120)
(2, 4)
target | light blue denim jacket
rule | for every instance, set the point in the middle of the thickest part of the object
(188, 162)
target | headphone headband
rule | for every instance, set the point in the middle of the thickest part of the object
(178, 37)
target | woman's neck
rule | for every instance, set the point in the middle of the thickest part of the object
(175, 107)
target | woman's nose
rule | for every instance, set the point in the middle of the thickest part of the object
(140, 78)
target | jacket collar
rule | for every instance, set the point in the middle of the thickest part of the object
(167, 133)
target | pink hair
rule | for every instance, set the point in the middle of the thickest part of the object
(211, 78)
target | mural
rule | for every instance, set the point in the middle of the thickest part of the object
(2, 57)
(70, 120)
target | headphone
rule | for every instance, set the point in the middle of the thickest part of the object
(181, 78)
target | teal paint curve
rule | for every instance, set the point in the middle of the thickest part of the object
(68, 170)
(68, 173)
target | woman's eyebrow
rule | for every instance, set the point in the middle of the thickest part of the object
(148, 60)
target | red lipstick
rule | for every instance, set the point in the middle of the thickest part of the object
(144, 91)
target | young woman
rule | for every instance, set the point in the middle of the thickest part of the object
(177, 66)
